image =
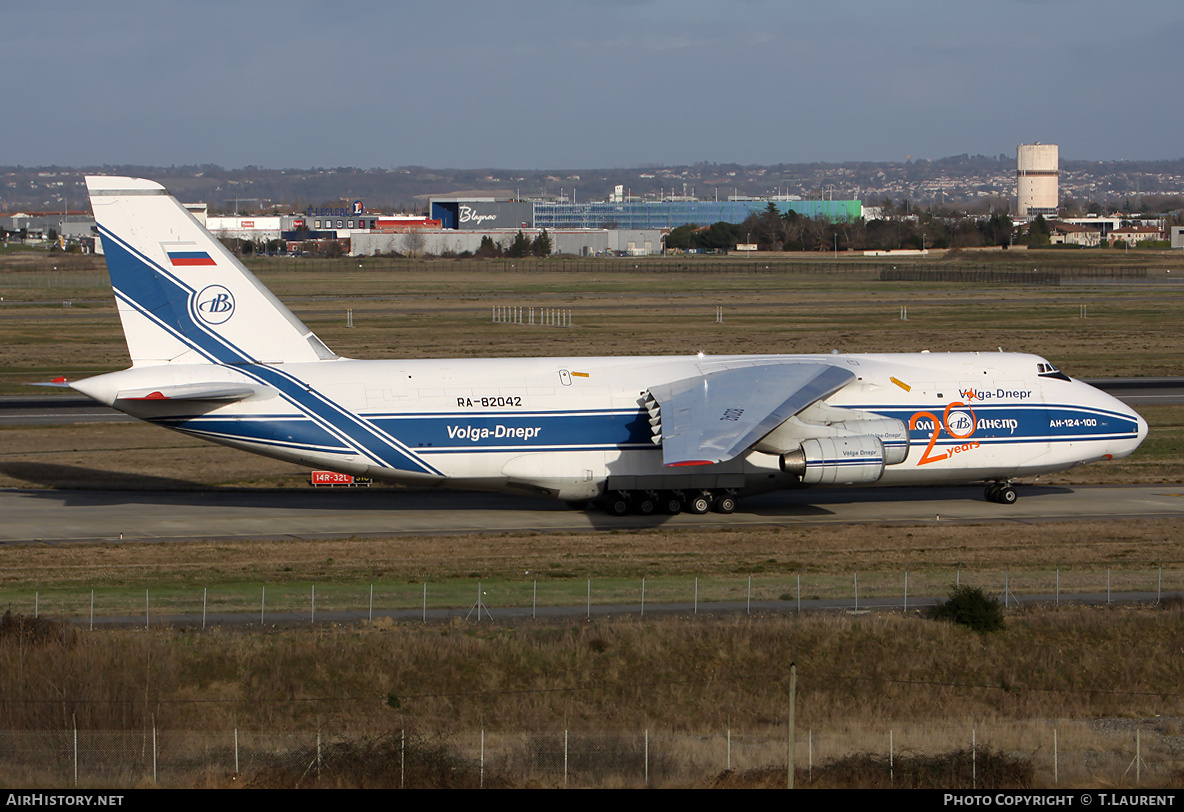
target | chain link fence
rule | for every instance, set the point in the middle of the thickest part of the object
(1116, 753)
(570, 595)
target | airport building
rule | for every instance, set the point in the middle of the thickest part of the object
(451, 241)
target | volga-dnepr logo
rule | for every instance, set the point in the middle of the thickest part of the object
(215, 304)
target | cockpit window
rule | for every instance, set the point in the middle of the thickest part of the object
(1047, 370)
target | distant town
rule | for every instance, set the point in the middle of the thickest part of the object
(960, 201)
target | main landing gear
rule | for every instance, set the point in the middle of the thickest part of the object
(646, 503)
(1001, 493)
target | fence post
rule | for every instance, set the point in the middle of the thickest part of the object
(793, 690)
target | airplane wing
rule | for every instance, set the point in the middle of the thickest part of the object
(716, 416)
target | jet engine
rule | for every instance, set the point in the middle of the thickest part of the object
(836, 460)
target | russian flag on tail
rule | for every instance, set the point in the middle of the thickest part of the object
(190, 258)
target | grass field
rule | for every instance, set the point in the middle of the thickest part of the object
(860, 675)
(443, 309)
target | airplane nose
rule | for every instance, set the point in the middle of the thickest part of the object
(1127, 447)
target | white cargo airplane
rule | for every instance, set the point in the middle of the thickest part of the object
(217, 356)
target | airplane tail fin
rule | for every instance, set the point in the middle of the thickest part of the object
(182, 297)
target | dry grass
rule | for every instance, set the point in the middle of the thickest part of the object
(1091, 675)
(442, 310)
(837, 550)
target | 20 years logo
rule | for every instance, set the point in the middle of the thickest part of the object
(959, 424)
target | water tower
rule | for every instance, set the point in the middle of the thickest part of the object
(1037, 176)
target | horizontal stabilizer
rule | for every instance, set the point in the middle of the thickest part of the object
(191, 391)
(715, 417)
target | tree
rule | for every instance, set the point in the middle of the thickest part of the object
(680, 237)
(997, 229)
(488, 248)
(970, 606)
(520, 247)
(413, 243)
(769, 229)
(1039, 232)
(721, 236)
(541, 245)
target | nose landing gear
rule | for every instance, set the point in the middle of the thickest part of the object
(1001, 493)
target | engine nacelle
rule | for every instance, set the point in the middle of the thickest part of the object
(893, 433)
(821, 420)
(836, 460)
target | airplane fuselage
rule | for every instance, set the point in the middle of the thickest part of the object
(575, 428)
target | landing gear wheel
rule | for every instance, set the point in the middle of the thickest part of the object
(617, 505)
(671, 503)
(645, 504)
(1001, 493)
(699, 504)
(724, 504)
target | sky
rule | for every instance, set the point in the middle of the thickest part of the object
(569, 84)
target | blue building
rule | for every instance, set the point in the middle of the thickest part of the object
(674, 213)
(477, 213)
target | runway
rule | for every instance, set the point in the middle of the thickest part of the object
(60, 515)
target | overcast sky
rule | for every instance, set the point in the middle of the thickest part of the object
(538, 84)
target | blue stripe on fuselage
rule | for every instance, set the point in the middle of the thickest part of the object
(433, 434)
(1029, 422)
